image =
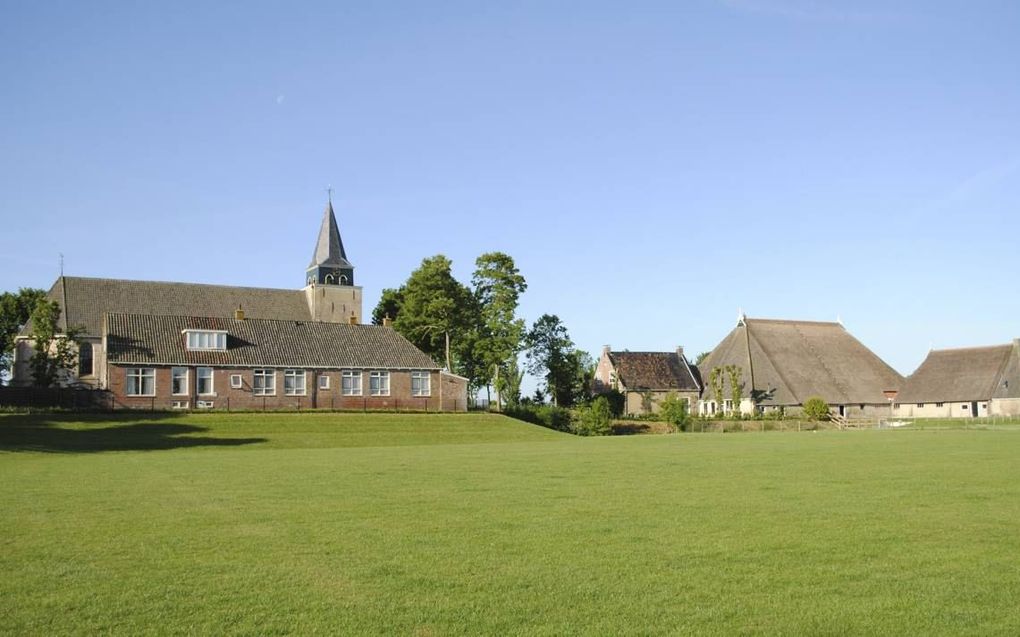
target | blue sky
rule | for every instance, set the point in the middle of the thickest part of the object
(652, 166)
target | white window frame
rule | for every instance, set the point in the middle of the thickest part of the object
(297, 375)
(212, 381)
(379, 383)
(416, 379)
(323, 382)
(205, 340)
(174, 376)
(236, 382)
(135, 379)
(265, 389)
(355, 377)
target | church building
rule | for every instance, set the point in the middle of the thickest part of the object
(198, 346)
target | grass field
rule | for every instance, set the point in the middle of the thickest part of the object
(476, 524)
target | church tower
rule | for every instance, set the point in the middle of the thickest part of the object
(332, 295)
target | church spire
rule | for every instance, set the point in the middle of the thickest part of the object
(329, 264)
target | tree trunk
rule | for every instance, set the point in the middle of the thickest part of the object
(499, 403)
(449, 367)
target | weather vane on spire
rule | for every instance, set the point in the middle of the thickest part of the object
(329, 193)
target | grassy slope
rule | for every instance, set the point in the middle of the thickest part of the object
(524, 531)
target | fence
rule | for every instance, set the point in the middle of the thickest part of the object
(55, 397)
(103, 400)
(720, 426)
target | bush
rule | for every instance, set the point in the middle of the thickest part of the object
(594, 420)
(674, 410)
(549, 416)
(617, 402)
(816, 409)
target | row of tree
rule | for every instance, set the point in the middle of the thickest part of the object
(476, 331)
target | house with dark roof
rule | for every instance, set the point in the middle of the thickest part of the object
(189, 345)
(964, 383)
(778, 364)
(645, 378)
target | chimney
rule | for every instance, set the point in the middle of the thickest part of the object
(605, 350)
(353, 320)
(239, 314)
(387, 321)
(680, 351)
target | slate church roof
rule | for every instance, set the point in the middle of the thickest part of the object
(159, 340)
(790, 361)
(84, 301)
(329, 249)
(964, 375)
(656, 371)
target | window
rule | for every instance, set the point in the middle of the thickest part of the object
(984, 405)
(323, 382)
(939, 404)
(179, 381)
(964, 406)
(85, 359)
(294, 382)
(180, 404)
(141, 381)
(379, 384)
(206, 339)
(420, 384)
(727, 405)
(205, 381)
(235, 381)
(350, 383)
(263, 382)
(920, 404)
(205, 404)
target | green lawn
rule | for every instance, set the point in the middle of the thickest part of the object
(475, 524)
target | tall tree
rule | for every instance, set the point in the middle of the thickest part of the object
(581, 368)
(436, 311)
(15, 310)
(498, 286)
(549, 350)
(55, 353)
(389, 305)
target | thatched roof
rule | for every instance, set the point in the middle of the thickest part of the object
(964, 375)
(787, 362)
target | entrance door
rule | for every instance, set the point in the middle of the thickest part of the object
(973, 410)
(842, 411)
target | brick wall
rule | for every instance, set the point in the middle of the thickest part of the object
(224, 396)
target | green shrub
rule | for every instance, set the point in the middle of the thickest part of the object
(674, 410)
(595, 419)
(816, 409)
(549, 416)
(617, 402)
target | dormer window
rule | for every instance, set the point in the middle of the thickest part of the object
(206, 340)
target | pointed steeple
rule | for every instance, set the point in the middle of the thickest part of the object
(329, 264)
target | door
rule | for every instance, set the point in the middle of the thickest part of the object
(973, 410)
